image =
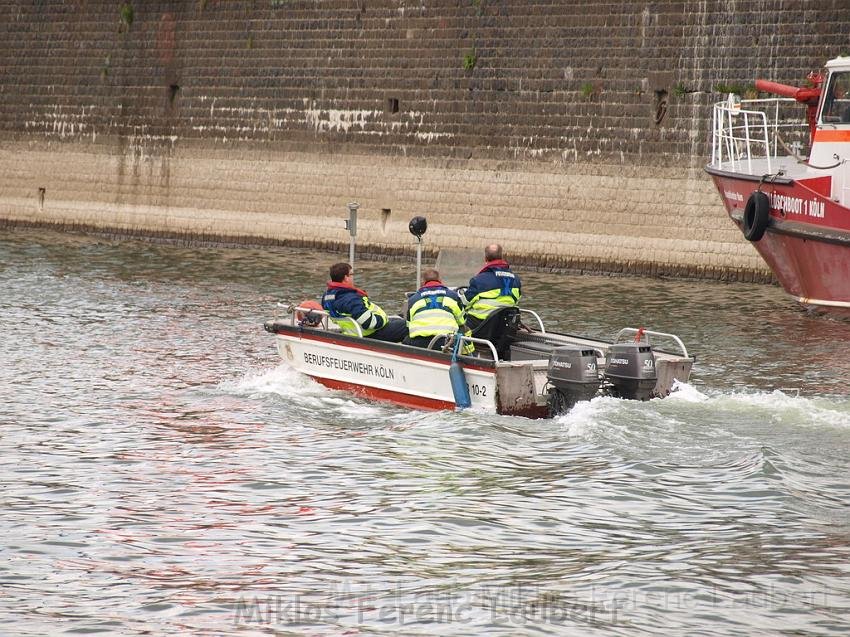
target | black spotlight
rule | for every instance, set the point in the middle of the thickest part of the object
(418, 226)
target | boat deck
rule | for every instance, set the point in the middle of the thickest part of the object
(782, 169)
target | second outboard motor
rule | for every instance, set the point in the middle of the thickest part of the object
(630, 368)
(573, 377)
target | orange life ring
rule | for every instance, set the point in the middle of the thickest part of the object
(308, 318)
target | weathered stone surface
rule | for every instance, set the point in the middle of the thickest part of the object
(524, 121)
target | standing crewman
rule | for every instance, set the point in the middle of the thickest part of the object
(434, 310)
(346, 303)
(495, 287)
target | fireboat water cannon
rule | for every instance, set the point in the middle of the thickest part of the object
(808, 95)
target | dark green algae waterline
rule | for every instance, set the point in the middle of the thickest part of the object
(164, 473)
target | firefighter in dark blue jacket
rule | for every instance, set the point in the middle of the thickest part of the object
(434, 310)
(493, 288)
(347, 304)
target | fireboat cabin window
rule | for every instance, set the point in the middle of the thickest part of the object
(836, 104)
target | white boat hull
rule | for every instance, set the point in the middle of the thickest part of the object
(371, 369)
(419, 378)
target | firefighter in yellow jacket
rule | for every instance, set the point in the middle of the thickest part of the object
(494, 288)
(434, 310)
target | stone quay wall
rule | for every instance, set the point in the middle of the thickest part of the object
(573, 132)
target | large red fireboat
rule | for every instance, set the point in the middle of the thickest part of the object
(793, 205)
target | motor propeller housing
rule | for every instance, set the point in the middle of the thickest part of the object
(572, 376)
(630, 370)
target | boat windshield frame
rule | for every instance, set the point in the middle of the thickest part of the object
(835, 105)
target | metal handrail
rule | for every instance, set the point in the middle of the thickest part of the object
(738, 131)
(323, 313)
(436, 338)
(535, 315)
(635, 330)
(732, 136)
(482, 341)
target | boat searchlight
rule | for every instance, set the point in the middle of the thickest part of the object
(417, 227)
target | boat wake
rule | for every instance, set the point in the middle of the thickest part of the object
(299, 390)
(696, 427)
(782, 408)
(686, 407)
(281, 380)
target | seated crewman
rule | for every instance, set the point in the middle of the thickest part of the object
(434, 310)
(493, 288)
(346, 303)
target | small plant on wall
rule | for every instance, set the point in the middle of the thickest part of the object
(470, 60)
(747, 90)
(737, 89)
(126, 13)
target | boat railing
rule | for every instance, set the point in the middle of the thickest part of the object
(481, 341)
(298, 314)
(536, 316)
(744, 130)
(629, 331)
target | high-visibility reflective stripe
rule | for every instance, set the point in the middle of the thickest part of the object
(487, 302)
(367, 317)
(429, 330)
(346, 325)
(368, 321)
(428, 318)
(374, 314)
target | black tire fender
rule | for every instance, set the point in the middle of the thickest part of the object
(756, 216)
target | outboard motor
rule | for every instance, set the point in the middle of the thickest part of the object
(572, 377)
(630, 368)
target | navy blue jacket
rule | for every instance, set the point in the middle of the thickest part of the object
(494, 287)
(346, 301)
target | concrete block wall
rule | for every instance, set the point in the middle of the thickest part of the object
(572, 132)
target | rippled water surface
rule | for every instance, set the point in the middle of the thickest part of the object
(164, 474)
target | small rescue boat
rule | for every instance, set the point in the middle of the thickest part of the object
(517, 370)
(793, 206)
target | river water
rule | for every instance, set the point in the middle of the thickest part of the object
(164, 474)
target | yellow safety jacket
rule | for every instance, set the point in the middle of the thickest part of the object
(436, 310)
(494, 288)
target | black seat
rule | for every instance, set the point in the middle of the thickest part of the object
(499, 328)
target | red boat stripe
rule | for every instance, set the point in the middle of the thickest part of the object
(417, 402)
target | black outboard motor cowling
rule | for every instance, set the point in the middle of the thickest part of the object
(572, 375)
(630, 368)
